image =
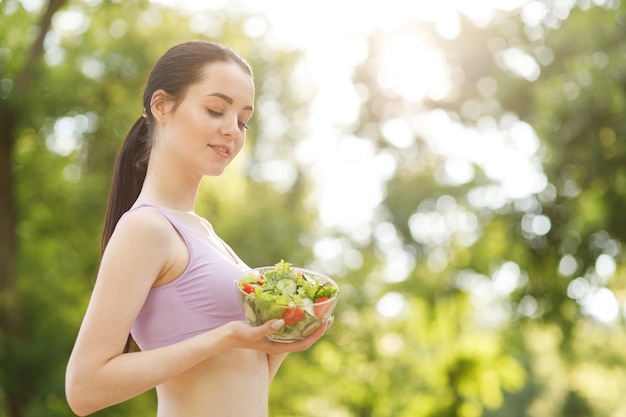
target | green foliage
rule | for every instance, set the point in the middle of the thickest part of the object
(252, 217)
(575, 106)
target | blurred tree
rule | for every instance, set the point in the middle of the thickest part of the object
(543, 256)
(17, 81)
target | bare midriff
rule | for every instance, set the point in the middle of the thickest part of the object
(233, 383)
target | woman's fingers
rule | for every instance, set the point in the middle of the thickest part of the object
(304, 344)
(255, 337)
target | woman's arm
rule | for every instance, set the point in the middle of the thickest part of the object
(143, 249)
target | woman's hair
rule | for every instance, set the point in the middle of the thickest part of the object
(180, 67)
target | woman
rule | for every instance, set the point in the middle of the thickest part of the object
(165, 277)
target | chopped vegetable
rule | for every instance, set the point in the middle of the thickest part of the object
(319, 309)
(301, 298)
(293, 315)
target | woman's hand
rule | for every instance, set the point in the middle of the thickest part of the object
(245, 335)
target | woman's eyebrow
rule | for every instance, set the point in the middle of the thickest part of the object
(228, 99)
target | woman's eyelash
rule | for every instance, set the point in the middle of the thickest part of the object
(244, 125)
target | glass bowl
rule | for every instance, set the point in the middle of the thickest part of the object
(297, 295)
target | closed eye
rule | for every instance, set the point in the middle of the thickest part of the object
(215, 113)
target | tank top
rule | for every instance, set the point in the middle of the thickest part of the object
(202, 298)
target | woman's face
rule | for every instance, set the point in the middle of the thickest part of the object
(208, 127)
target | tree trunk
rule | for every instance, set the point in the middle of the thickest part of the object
(9, 122)
(25, 77)
(7, 210)
(8, 246)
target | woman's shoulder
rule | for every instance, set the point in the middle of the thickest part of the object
(145, 222)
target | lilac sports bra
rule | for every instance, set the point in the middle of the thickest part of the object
(202, 298)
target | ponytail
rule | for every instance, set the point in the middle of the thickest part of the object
(128, 175)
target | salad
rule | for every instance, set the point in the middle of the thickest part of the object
(303, 298)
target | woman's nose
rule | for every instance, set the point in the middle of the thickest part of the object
(230, 127)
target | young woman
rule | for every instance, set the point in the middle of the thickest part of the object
(165, 277)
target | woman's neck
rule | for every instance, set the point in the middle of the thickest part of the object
(167, 190)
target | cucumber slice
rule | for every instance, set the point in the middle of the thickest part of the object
(307, 305)
(248, 311)
(286, 286)
(310, 328)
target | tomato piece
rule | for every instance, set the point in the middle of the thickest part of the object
(319, 310)
(293, 316)
(247, 288)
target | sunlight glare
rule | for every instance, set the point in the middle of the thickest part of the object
(351, 194)
(68, 133)
(597, 302)
(605, 267)
(528, 306)
(568, 265)
(429, 228)
(601, 304)
(519, 63)
(398, 133)
(458, 171)
(399, 264)
(536, 224)
(65, 139)
(507, 278)
(415, 75)
(533, 13)
(495, 150)
(391, 305)
(71, 22)
(391, 343)
(32, 6)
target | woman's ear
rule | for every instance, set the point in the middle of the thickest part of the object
(160, 105)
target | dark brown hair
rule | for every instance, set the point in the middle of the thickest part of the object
(181, 66)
